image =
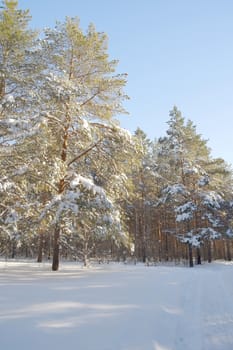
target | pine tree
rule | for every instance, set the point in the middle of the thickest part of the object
(17, 73)
(143, 196)
(80, 96)
(187, 172)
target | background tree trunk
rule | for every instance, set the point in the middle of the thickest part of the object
(198, 256)
(56, 244)
(40, 249)
(190, 255)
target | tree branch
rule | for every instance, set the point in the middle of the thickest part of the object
(49, 116)
(102, 126)
(89, 99)
(42, 180)
(83, 153)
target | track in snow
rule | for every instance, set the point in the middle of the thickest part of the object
(116, 307)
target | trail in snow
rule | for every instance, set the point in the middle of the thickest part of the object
(116, 307)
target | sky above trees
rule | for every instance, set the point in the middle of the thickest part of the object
(175, 53)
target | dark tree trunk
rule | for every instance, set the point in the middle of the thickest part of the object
(228, 248)
(209, 252)
(190, 255)
(166, 248)
(40, 249)
(13, 252)
(56, 235)
(56, 240)
(144, 254)
(198, 256)
(85, 251)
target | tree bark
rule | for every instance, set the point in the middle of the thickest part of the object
(40, 249)
(228, 250)
(13, 252)
(209, 252)
(85, 251)
(56, 235)
(198, 256)
(190, 255)
(56, 243)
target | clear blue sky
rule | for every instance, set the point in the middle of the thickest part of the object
(176, 52)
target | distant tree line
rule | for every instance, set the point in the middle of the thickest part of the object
(73, 183)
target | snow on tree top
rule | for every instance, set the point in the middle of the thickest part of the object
(209, 232)
(184, 217)
(86, 183)
(211, 199)
(175, 189)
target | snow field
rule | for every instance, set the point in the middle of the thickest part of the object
(116, 307)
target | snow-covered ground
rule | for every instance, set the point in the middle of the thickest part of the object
(116, 307)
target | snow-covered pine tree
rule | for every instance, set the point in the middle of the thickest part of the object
(184, 160)
(18, 112)
(80, 96)
(142, 197)
(59, 99)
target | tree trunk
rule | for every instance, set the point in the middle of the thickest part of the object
(56, 235)
(13, 252)
(228, 250)
(198, 256)
(190, 255)
(166, 248)
(40, 249)
(85, 251)
(159, 242)
(56, 241)
(85, 260)
(209, 252)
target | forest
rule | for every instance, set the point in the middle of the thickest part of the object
(74, 184)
